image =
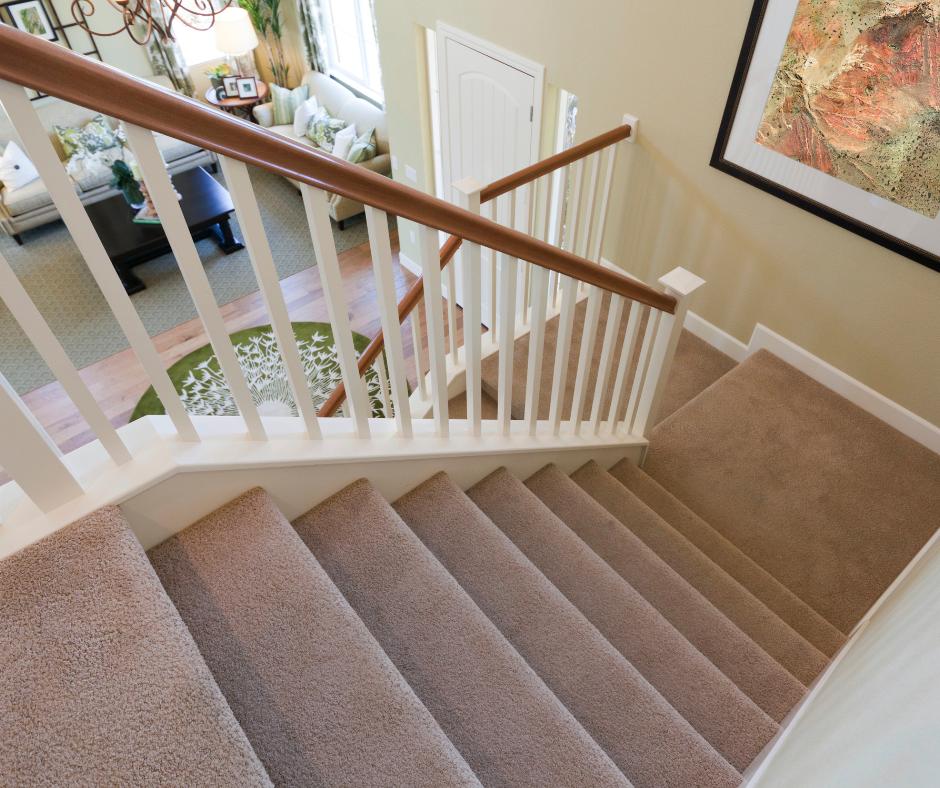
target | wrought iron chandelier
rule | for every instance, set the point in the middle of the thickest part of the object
(154, 17)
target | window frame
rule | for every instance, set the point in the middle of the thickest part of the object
(336, 70)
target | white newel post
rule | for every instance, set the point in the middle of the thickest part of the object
(28, 454)
(680, 284)
(471, 274)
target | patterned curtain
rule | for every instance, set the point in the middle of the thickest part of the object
(311, 28)
(375, 32)
(167, 59)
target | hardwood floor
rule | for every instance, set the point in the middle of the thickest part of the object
(118, 382)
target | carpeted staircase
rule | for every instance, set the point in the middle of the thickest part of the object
(589, 630)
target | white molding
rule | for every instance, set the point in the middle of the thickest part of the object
(715, 337)
(409, 265)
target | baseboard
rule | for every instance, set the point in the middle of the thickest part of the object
(715, 337)
(409, 264)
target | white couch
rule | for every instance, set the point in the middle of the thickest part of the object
(343, 104)
(31, 205)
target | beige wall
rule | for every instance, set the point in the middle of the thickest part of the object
(864, 309)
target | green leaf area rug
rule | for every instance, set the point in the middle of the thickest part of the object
(204, 391)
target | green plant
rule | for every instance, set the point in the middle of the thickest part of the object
(219, 71)
(125, 181)
(266, 18)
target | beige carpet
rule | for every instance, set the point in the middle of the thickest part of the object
(825, 497)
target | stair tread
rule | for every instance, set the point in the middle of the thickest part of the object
(744, 610)
(649, 741)
(695, 367)
(829, 499)
(508, 725)
(318, 698)
(727, 719)
(757, 674)
(84, 626)
(781, 600)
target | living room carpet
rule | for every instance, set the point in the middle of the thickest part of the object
(60, 284)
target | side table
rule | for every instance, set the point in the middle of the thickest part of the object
(238, 106)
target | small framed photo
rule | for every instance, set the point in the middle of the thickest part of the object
(229, 88)
(31, 17)
(247, 87)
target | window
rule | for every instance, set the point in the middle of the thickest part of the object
(198, 46)
(354, 53)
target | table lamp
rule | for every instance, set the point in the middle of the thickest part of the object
(236, 37)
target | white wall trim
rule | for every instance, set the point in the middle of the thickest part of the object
(715, 337)
(409, 265)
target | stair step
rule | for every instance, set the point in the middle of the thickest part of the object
(695, 367)
(318, 698)
(753, 618)
(100, 683)
(757, 674)
(791, 609)
(508, 725)
(644, 736)
(703, 695)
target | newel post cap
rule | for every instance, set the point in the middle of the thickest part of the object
(680, 282)
(468, 185)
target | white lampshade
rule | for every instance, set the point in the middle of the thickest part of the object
(234, 33)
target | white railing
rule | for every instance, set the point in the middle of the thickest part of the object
(521, 299)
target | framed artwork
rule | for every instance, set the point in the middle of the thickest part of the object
(229, 87)
(247, 87)
(835, 108)
(31, 17)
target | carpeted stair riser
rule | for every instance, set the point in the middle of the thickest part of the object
(731, 722)
(100, 683)
(755, 620)
(319, 700)
(781, 600)
(647, 739)
(730, 650)
(830, 500)
(507, 724)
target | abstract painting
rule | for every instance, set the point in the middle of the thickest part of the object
(835, 107)
(857, 96)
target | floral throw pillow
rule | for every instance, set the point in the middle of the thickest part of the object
(323, 129)
(94, 136)
(363, 148)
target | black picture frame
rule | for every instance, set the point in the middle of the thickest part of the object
(42, 17)
(720, 162)
(247, 87)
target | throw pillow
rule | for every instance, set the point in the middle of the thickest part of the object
(286, 101)
(323, 129)
(16, 169)
(94, 136)
(303, 114)
(344, 140)
(363, 148)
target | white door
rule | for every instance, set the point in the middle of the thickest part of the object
(490, 116)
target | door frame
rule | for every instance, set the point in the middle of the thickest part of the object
(512, 59)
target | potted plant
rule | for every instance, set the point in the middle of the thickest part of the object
(217, 73)
(125, 181)
(266, 18)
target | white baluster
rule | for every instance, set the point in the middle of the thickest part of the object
(642, 365)
(28, 454)
(379, 367)
(509, 276)
(321, 232)
(562, 351)
(433, 299)
(418, 346)
(528, 227)
(623, 370)
(607, 361)
(262, 262)
(38, 332)
(37, 145)
(377, 222)
(536, 347)
(680, 284)
(164, 199)
(468, 191)
(452, 309)
(605, 204)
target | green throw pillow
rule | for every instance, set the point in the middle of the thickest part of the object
(285, 102)
(94, 136)
(363, 148)
(323, 129)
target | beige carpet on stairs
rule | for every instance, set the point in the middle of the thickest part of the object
(702, 694)
(507, 724)
(757, 580)
(696, 366)
(100, 682)
(319, 700)
(648, 740)
(737, 656)
(828, 499)
(744, 610)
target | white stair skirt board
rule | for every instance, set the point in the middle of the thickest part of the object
(171, 483)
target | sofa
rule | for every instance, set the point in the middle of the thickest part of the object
(31, 205)
(341, 103)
